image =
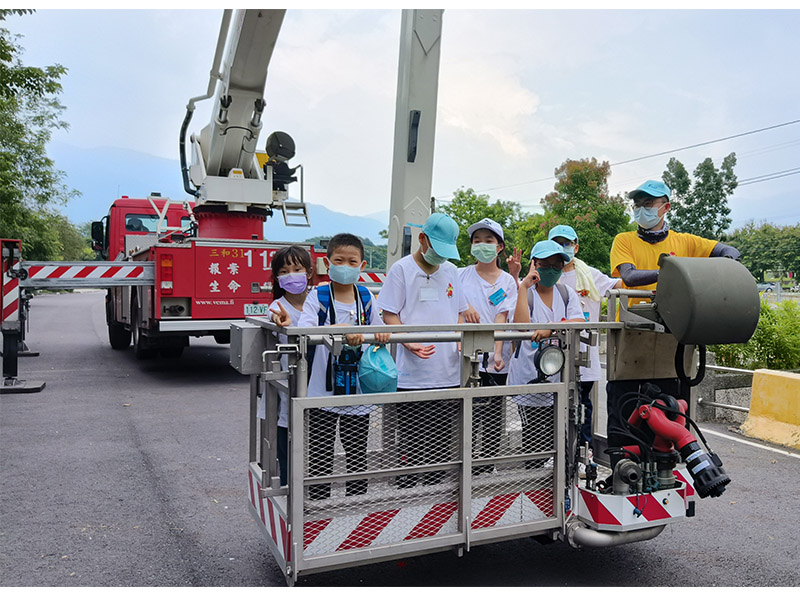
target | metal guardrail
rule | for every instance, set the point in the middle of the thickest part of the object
(448, 468)
(710, 385)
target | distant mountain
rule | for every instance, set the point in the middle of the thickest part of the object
(104, 174)
(325, 223)
(381, 215)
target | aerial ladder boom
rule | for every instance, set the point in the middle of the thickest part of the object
(226, 176)
(414, 129)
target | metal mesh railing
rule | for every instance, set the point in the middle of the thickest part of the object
(384, 474)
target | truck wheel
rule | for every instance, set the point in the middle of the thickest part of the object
(119, 337)
(139, 349)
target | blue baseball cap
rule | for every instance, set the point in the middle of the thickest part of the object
(442, 231)
(548, 248)
(651, 187)
(564, 231)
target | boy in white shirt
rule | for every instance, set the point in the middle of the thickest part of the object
(423, 289)
(590, 285)
(345, 303)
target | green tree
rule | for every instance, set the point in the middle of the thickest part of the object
(468, 207)
(759, 246)
(701, 207)
(374, 255)
(581, 200)
(788, 249)
(30, 186)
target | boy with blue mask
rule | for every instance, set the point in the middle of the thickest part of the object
(341, 302)
(423, 288)
(540, 301)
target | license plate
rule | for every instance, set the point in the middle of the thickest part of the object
(254, 310)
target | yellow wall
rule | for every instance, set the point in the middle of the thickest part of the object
(774, 408)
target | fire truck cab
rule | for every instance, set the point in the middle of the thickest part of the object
(133, 223)
(199, 286)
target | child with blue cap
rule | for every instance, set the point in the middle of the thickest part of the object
(591, 285)
(634, 258)
(539, 302)
(423, 288)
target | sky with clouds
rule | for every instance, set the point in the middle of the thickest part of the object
(520, 92)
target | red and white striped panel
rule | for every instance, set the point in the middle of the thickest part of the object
(611, 512)
(78, 272)
(367, 277)
(683, 475)
(10, 311)
(272, 514)
(351, 532)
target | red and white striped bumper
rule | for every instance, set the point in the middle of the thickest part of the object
(610, 512)
(272, 513)
(371, 530)
(375, 529)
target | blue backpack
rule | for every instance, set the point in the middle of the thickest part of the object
(342, 381)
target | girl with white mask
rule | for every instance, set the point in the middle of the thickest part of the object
(492, 293)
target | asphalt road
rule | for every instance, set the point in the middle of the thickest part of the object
(128, 473)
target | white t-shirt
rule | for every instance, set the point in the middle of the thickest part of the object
(522, 369)
(345, 314)
(490, 300)
(603, 283)
(421, 299)
(283, 406)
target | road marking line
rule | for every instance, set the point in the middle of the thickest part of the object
(735, 439)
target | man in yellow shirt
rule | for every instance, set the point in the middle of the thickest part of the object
(634, 259)
(635, 254)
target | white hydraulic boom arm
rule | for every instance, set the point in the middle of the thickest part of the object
(224, 168)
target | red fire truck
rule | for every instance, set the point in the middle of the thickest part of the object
(195, 285)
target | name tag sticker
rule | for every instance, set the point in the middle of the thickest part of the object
(428, 294)
(497, 297)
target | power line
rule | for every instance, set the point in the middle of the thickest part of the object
(741, 182)
(768, 175)
(797, 172)
(730, 137)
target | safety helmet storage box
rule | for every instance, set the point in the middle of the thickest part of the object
(707, 300)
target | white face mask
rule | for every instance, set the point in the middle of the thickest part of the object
(646, 218)
(432, 258)
(485, 253)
